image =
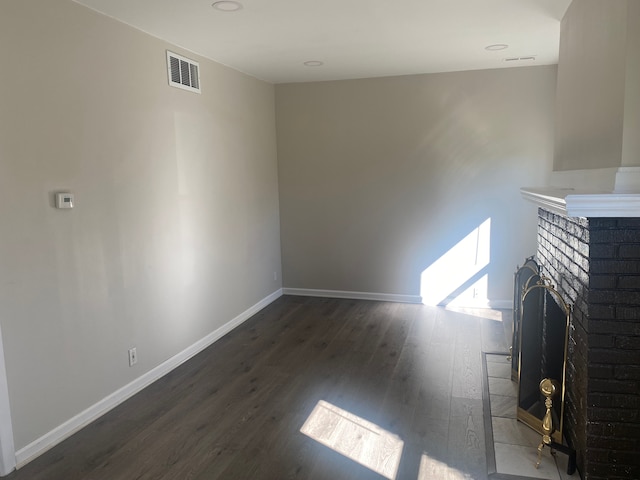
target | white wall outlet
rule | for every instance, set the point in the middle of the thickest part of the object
(275, 275)
(133, 356)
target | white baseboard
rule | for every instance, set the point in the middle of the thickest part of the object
(71, 426)
(388, 297)
(383, 297)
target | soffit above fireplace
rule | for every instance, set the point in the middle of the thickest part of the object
(610, 192)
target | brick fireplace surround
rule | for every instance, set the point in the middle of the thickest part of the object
(595, 264)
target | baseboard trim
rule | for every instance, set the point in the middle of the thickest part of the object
(383, 297)
(71, 426)
(388, 297)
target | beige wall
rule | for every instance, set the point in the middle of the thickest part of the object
(379, 178)
(598, 75)
(176, 224)
(631, 132)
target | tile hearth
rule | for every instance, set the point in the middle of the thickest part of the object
(514, 444)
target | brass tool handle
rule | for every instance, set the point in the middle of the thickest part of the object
(548, 388)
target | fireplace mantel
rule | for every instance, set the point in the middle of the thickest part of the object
(572, 202)
(602, 192)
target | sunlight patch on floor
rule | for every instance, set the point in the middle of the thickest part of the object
(355, 438)
(431, 469)
(488, 313)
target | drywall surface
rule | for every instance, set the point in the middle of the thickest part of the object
(591, 85)
(631, 135)
(175, 228)
(380, 178)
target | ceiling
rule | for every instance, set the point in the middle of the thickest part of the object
(271, 39)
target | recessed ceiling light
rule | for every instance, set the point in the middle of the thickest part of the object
(497, 46)
(313, 63)
(227, 6)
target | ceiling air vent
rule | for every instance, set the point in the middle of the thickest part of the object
(520, 59)
(183, 72)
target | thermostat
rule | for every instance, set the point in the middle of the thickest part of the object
(64, 200)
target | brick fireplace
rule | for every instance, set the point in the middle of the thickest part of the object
(595, 263)
(589, 231)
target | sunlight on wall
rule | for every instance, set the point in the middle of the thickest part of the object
(458, 277)
(355, 438)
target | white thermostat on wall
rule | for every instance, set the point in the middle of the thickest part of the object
(64, 200)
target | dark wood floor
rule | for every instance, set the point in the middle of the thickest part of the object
(235, 410)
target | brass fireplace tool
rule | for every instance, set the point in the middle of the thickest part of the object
(549, 388)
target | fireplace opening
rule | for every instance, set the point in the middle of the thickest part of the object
(543, 353)
(539, 353)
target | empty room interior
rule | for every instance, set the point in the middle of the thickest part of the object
(269, 240)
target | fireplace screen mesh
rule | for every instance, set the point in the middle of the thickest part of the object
(543, 351)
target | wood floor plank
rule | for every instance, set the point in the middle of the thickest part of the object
(467, 366)
(235, 410)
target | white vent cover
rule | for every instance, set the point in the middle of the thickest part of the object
(183, 72)
(520, 59)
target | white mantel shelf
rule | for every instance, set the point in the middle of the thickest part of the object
(573, 202)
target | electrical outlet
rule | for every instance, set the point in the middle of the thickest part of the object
(133, 356)
(275, 275)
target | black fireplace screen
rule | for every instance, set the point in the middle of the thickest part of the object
(524, 277)
(543, 352)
